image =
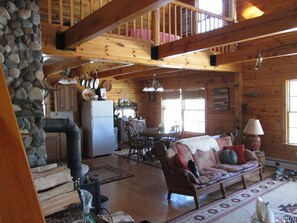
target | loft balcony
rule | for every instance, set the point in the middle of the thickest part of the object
(168, 23)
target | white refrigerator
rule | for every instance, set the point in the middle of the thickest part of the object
(98, 128)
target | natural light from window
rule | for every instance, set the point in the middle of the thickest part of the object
(194, 115)
(292, 112)
(188, 114)
(214, 6)
(206, 23)
(171, 113)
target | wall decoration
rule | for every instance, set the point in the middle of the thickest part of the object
(124, 102)
(221, 99)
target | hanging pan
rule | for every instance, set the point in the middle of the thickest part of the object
(96, 81)
(82, 81)
(87, 80)
(91, 82)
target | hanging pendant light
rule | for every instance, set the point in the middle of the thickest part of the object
(153, 86)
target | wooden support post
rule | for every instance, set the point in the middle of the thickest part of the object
(238, 114)
(156, 26)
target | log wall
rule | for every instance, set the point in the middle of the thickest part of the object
(214, 119)
(269, 106)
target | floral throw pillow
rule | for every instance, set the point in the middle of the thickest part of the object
(228, 156)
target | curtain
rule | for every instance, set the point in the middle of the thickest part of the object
(193, 94)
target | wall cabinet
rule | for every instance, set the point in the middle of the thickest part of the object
(56, 147)
(65, 98)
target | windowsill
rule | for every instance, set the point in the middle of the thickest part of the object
(290, 145)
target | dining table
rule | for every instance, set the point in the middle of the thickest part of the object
(158, 134)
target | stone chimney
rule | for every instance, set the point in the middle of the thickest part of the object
(21, 59)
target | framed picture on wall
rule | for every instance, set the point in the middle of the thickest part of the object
(124, 102)
(221, 99)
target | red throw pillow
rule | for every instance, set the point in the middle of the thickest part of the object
(239, 149)
(179, 162)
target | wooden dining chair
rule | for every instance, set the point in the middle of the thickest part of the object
(138, 145)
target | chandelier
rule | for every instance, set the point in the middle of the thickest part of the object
(153, 86)
(67, 77)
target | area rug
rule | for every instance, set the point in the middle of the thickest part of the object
(124, 154)
(107, 174)
(241, 206)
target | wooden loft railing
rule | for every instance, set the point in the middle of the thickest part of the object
(174, 21)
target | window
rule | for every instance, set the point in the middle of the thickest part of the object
(194, 115)
(292, 111)
(214, 6)
(206, 23)
(184, 108)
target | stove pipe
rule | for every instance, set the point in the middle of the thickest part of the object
(73, 143)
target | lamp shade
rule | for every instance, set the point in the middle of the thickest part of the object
(253, 127)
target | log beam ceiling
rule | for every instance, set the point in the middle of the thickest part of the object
(273, 34)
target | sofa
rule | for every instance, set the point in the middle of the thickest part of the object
(200, 165)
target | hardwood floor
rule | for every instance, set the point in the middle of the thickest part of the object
(144, 196)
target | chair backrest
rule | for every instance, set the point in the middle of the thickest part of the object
(132, 132)
(138, 126)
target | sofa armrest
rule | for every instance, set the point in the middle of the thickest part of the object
(249, 155)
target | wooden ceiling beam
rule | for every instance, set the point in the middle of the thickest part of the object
(125, 70)
(276, 46)
(106, 18)
(146, 73)
(121, 50)
(285, 20)
(56, 67)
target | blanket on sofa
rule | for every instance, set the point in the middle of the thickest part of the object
(202, 143)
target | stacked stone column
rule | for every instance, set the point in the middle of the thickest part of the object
(21, 59)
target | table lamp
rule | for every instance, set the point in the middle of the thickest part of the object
(252, 131)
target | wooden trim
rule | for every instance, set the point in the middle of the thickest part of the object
(49, 11)
(61, 12)
(18, 197)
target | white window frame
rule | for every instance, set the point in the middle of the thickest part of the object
(197, 110)
(289, 111)
(182, 114)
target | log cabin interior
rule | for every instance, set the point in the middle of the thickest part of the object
(247, 48)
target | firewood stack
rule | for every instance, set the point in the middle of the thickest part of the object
(55, 188)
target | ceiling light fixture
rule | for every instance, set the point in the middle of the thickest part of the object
(153, 86)
(65, 75)
(259, 61)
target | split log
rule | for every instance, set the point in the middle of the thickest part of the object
(60, 202)
(62, 189)
(43, 168)
(51, 178)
